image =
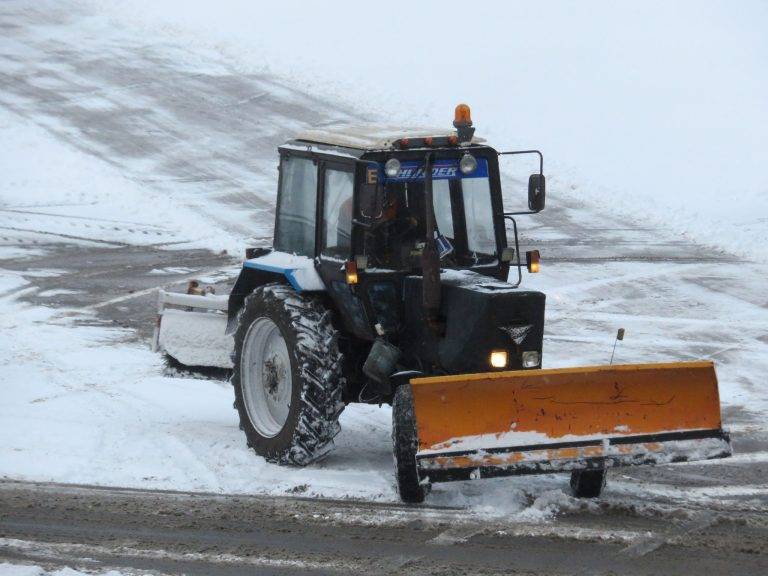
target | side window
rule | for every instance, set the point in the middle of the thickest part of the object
(337, 212)
(441, 197)
(298, 201)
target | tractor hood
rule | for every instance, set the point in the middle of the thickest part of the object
(481, 315)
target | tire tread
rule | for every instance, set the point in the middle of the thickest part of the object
(319, 363)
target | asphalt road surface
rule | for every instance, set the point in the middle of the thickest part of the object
(213, 534)
(159, 108)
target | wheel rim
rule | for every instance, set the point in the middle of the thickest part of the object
(265, 373)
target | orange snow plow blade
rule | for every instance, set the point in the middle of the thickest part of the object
(530, 421)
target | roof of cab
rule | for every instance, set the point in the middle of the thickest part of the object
(370, 136)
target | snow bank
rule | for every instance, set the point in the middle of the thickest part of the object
(655, 109)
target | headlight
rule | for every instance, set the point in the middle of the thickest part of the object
(392, 167)
(467, 164)
(499, 358)
(531, 359)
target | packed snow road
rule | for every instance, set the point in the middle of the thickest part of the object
(132, 163)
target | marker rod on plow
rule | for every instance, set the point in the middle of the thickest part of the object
(565, 419)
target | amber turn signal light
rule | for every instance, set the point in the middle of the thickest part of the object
(533, 261)
(351, 270)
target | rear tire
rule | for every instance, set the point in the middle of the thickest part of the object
(287, 376)
(588, 483)
(405, 444)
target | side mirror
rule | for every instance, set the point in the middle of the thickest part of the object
(536, 192)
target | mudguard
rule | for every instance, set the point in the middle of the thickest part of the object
(268, 267)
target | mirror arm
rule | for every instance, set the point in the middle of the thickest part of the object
(508, 216)
(541, 174)
(518, 213)
(540, 155)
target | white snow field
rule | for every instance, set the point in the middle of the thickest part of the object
(110, 210)
(638, 114)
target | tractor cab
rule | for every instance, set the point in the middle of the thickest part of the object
(378, 209)
(366, 187)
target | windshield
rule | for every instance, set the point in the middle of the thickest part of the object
(463, 214)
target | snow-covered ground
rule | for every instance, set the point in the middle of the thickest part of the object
(148, 160)
(8, 569)
(111, 210)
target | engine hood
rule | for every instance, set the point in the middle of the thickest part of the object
(481, 314)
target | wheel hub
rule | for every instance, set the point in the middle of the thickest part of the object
(274, 373)
(266, 377)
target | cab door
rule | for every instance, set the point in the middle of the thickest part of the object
(336, 182)
(295, 229)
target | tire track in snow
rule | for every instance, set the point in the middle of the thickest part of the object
(112, 243)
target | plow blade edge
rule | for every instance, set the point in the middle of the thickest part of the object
(535, 421)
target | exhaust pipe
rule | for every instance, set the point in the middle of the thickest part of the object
(430, 259)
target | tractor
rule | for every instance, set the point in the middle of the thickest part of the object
(395, 278)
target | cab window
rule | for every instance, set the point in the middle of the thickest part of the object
(481, 236)
(337, 212)
(296, 206)
(441, 197)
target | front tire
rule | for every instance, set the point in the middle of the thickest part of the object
(287, 376)
(405, 444)
(588, 483)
